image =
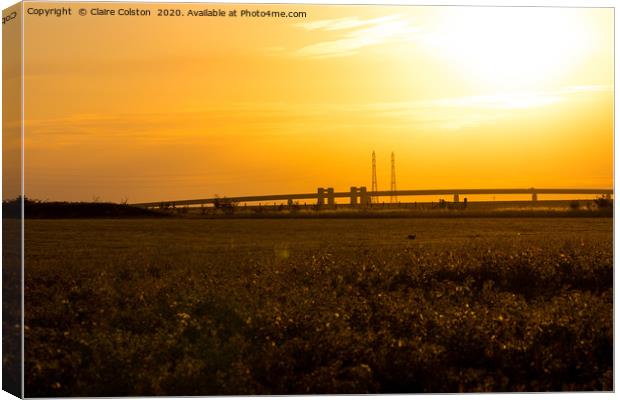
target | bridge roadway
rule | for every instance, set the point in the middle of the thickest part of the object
(361, 196)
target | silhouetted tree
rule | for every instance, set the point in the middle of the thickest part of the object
(603, 202)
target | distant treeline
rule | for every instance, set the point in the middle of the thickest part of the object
(50, 210)
(525, 213)
(57, 209)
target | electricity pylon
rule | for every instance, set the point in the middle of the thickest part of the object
(373, 199)
(393, 197)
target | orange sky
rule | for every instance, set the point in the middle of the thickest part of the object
(160, 108)
(11, 106)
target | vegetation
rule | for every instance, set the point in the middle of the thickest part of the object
(603, 202)
(283, 212)
(196, 307)
(58, 209)
(11, 305)
(224, 208)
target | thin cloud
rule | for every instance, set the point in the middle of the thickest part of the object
(467, 111)
(342, 23)
(271, 121)
(354, 34)
(509, 101)
(587, 88)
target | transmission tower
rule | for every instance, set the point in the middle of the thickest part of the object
(393, 197)
(373, 199)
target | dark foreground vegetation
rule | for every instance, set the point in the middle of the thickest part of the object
(265, 308)
(36, 209)
(400, 213)
(599, 207)
(11, 306)
(62, 209)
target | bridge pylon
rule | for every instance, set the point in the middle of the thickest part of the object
(353, 197)
(331, 200)
(364, 197)
(320, 199)
(374, 186)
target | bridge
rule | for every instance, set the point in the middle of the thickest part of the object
(362, 197)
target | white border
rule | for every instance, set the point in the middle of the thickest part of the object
(528, 3)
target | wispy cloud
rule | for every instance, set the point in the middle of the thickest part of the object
(586, 88)
(460, 112)
(271, 121)
(340, 23)
(353, 34)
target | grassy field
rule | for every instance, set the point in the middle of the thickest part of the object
(197, 307)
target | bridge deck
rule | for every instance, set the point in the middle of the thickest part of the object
(423, 192)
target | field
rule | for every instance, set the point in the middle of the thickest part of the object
(293, 306)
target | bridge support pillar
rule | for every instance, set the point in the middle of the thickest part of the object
(456, 197)
(534, 196)
(331, 200)
(364, 198)
(320, 200)
(353, 195)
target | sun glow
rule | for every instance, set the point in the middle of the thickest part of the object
(508, 48)
(465, 96)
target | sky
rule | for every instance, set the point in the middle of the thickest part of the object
(11, 107)
(164, 108)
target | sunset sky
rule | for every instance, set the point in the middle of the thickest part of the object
(158, 108)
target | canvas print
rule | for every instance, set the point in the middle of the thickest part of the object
(285, 199)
